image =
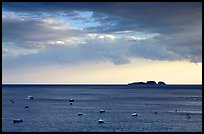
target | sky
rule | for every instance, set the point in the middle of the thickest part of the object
(101, 42)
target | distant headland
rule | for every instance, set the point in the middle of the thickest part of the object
(161, 84)
(148, 83)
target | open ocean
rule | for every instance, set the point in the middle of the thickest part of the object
(50, 110)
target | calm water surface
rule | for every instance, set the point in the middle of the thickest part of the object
(51, 111)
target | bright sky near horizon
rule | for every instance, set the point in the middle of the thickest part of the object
(101, 42)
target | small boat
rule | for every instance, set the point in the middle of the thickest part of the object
(11, 101)
(26, 106)
(80, 114)
(70, 103)
(30, 97)
(155, 113)
(134, 114)
(17, 120)
(102, 111)
(100, 121)
(188, 115)
(71, 100)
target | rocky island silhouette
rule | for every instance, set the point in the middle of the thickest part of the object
(161, 84)
(148, 83)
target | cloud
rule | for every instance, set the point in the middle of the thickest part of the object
(176, 26)
(151, 16)
(37, 33)
(133, 38)
(14, 53)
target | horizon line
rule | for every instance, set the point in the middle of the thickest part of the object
(91, 83)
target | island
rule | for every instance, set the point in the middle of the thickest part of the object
(148, 84)
(152, 84)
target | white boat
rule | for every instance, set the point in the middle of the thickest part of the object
(100, 121)
(79, 114)
(12, 101)
(17, 120)
(134, 114)
(30, 97)
(102, 111)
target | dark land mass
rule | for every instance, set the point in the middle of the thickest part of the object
(161, 84)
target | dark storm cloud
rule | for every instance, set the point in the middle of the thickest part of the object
(154, 16)
(54, 6)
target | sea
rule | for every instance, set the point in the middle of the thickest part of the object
(177, 109)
